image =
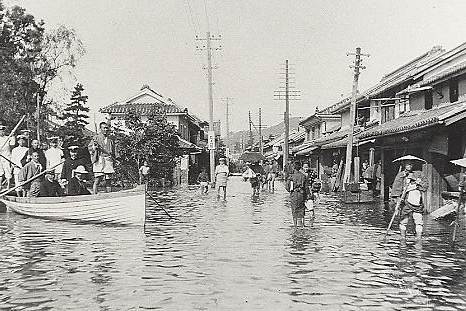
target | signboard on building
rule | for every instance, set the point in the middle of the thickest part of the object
(211, 140)
(227, 152)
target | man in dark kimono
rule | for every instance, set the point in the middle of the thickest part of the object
(50, 187)
(71, 163)
(298, 186)
(103, 153)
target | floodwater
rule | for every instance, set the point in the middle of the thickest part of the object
(241, 254)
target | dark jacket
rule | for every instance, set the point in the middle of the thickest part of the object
(76, 187)
(69, 166)
(50, 189)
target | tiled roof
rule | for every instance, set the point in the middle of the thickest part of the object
(414, 120)
(390, 80)
(142, 108)
(330, 138)
(450, 71)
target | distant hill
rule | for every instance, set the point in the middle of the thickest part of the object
(274, 130)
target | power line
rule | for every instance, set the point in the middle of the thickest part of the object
(191, 17)
(206, 16)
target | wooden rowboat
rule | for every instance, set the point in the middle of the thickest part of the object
(127, 207)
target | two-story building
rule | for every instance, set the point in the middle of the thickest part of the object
(192, 131)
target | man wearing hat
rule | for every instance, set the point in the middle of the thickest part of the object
(71, 163)
(54, 156)
(16, 155)
(6, 144)
(50, 187)
(77, 185)
(409, 186)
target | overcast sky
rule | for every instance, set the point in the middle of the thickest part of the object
(134, 42)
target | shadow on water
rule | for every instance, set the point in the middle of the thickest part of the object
(238, 254)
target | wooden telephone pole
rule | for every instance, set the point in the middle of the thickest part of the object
(349, 147)
(287, 96)
(211, 136)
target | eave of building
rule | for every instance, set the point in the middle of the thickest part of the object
(416, 120)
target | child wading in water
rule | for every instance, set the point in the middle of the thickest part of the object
(144, 173)
(203, 180)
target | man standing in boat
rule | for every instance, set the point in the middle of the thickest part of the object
(31, 169)
(408, 186)
(103, 153)
(16, 155)
(6, 144)
(54, 156)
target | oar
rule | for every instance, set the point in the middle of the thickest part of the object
(12, 132)
(11, 162)
(145, 189)
(29, 180)
(397, 209)
(456, 222)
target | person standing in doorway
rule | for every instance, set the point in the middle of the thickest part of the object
(221, 177)
(103, 153)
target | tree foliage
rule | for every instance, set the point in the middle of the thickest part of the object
(155, 140)
(30, 60)
(75, 115)
(20, 38)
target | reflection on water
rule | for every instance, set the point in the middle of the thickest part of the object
(238, 254)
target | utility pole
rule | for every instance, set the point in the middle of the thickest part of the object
(251, 139)
(349, 147)
(286, 148)
(289, 95)
(211, 136)
(227, 125)
(261, 150)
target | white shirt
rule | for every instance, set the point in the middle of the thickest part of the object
(6, 150)
(17, 154)
(54, 156)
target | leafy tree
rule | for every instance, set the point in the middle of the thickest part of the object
(30, 60)
(75, 114)
(20, 37)
(155, 141)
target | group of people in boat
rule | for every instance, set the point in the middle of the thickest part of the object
(48, 173)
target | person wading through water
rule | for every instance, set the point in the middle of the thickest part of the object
(409, 186)
(298, 186)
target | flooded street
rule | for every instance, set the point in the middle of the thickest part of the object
(241, 254)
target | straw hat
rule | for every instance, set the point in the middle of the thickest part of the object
(80, 169)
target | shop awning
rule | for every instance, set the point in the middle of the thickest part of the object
(307, 150)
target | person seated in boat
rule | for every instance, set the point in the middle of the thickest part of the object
(50, 187)
(31, 169)
(70, 164)
(77, 185)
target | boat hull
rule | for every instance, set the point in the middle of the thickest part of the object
(126, 207)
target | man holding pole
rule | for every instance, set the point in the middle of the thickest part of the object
(103, 153)
(6, 144)
(408, 188)
(16, 155)
(31, 169)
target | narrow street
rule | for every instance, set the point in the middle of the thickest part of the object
(242, 254)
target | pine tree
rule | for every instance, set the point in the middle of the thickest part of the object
(75, 114)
